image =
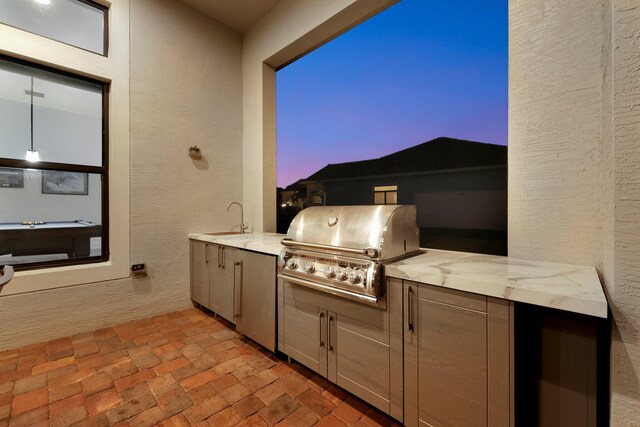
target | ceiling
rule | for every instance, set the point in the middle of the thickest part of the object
(239, 15)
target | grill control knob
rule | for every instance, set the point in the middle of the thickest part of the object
(330, 272)
(342, 275)
(291, 264)
(355, 278)
(309, 267)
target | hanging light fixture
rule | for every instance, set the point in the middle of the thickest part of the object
(32, 154)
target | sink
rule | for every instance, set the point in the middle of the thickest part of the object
(223, 233)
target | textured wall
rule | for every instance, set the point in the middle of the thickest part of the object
(574, 157)
(625, 295)
(185, 89)
(555, 116)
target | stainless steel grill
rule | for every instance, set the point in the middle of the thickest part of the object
(342, 249)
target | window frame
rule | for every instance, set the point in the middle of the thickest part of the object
(384, 190)
(105, 34)
(70, 167)
(114, 70)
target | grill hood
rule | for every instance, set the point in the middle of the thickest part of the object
(389, 229)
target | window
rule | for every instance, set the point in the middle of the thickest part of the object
(53, 19)
(53, 167)
(387, 195)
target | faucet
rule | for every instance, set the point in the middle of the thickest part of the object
(6, 274)
(242, 226)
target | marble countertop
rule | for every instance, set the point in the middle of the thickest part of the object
(574, 288)
(266, 243)
(567, 287)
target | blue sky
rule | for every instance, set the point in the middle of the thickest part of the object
(419, 70)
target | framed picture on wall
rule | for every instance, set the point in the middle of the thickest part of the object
(11, 178)
(70, 183)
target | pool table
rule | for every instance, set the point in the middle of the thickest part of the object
(70, 237)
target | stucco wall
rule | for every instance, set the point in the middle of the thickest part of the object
(574, 157)
(185, 89)
(624, 293)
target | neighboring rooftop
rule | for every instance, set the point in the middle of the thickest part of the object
(438, 154)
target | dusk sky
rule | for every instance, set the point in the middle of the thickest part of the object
(417, 71)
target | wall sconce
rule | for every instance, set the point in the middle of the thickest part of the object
(195, 153)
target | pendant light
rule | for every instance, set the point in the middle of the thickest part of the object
(32, 154)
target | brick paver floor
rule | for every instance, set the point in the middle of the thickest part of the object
(179, 369)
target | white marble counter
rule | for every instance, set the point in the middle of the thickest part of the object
(567, 287)
(573, 288)
(266, 243)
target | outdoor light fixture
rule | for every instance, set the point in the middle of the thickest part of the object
(43, 1)
(32, 154)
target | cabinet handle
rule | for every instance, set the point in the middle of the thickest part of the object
(410, 308)
(222, 257)
(206, 254)
(237, 300)
(329, 328)
(219, 263)
(320, 321)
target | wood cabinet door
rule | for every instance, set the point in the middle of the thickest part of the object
(305, 334)
(200, 273)
(359, 359)
(215, 278)
(445, 362)
(228, 257)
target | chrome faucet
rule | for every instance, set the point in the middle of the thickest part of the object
(242, 225)
(6, 274)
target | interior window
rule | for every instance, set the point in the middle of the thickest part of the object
(53, 171)
(75, 22)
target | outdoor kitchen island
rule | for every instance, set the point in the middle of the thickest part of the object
(462, 327)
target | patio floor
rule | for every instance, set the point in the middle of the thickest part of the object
(184, 368)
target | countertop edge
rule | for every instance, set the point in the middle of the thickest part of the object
(269, 244)
(264, 243)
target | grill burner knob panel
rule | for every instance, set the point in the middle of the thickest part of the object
(309, 267)
(291, 264)
(355, 278)
(330, 272)
(342, 275)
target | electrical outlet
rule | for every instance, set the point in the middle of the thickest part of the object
(138, 268)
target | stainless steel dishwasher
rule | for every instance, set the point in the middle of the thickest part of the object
(255, 297)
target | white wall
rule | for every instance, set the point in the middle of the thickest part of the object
(624, 290)
(185, 89)
(574, 157)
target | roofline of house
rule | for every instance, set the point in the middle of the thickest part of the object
(433, 172)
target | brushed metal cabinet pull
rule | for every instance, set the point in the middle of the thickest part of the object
(329, 328)
(237, 301)
(206, 254)
(219, 259)
(222, 257)
(410, 308)
(320, 321)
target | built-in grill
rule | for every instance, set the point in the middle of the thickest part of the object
(342, 249)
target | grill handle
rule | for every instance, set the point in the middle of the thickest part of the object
(368, 252)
